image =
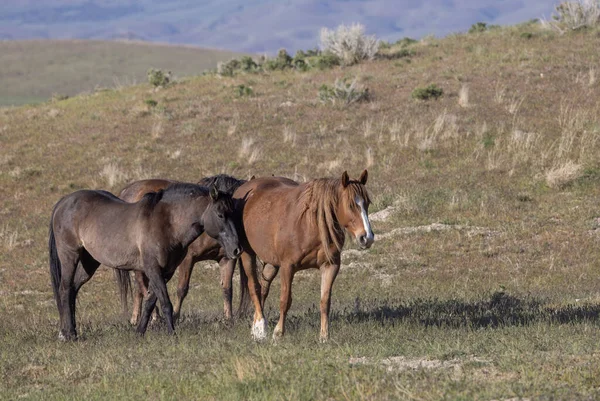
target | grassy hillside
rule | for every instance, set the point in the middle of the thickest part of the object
(33, 71)
(482, 283)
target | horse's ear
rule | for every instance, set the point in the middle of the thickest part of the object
(345, 179)
(363, 177)
(251, 178)
(214, 192)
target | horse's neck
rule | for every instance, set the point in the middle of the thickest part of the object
(185, 223)
(310, 221)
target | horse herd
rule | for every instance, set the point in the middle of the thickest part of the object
(156, 226)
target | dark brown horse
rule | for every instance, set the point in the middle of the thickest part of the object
(203, 248)
(89, 227)
(294, 226)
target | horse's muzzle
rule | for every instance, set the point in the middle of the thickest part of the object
(365, 241)
(237, 252)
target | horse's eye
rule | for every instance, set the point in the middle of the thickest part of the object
(220, 215)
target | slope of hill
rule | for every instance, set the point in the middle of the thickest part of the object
(483, 280)
(33, 71)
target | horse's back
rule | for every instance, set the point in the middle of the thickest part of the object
(258, 186)
(85, 198)
(137, 189)
(72, 210)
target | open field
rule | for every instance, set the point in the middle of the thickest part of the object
(483, 282)
(35, 70)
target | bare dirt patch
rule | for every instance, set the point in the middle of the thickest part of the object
(401, 363)
(471, 231)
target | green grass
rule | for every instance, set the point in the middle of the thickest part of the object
(482, 284)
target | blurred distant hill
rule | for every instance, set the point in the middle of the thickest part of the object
(251, 25)
(34, 70)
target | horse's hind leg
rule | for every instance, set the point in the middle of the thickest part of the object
(285, 299)
(268, 274)
(227, 266)
(183, 285)
(85, 270)
(69, 260)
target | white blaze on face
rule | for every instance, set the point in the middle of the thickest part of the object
(365, 218)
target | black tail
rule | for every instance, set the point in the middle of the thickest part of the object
(123, 279)
(244, 295)
(55, 267)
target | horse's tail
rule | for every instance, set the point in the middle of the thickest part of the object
(123, 279)
(244, 295)
(55, 267)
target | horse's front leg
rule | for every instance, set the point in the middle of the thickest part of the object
(328, 274)
(226, 267)
(158, 288)
(139, 293)
(259, 327)
(185, 273)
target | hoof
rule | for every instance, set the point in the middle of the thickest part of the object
(277, 335)
(64, 338)
(259, 330)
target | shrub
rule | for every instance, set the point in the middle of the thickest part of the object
(573, 15)
(300, 64)
(406, 41)
(312, 52)
(431, 91)
(151, 102)
(247, 64)
(344, 92)
(158, 77)
(383, 44)
(349, 43)
(402, 53)
(281, 62)
(323, 61)
(243, 90)
(229, 68)
(58, 97)
(478, 27)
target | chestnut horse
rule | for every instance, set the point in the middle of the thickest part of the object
(294, 226)
(90, 227)
(203, 248)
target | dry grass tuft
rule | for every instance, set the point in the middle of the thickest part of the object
(289, 135)
(564, 174)
(463, 96)
(113, 175)
(246, 147)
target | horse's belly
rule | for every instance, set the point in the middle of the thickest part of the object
(112, 256)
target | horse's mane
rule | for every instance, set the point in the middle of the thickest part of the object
(224, 183)
(321, 198)
(174, 192)
(152, 198)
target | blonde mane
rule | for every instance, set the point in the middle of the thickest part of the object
(321, 198)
